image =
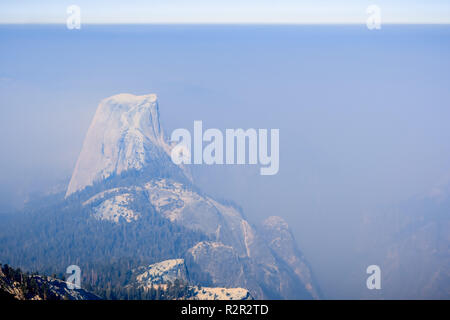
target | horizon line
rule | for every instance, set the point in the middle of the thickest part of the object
(225, 23)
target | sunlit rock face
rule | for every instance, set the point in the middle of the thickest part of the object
(124, 134)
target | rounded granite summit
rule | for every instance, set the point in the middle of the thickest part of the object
(128, 98)
(124, 134)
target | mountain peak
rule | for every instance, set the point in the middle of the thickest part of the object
(127, 98)
(125, 134)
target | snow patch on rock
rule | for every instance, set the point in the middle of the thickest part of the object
(162, 272)
(206, 293)
(115, 208)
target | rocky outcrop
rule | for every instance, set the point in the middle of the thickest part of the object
(169, 271)
(282, 243)
(16, 285)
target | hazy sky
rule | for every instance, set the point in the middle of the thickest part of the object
(230, 11)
